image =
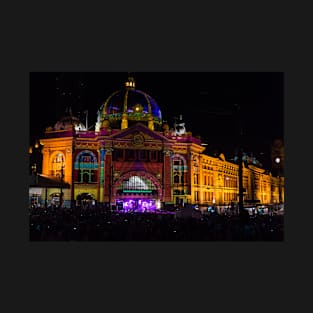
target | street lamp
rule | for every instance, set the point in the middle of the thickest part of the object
(277, 161)
(226, 203)
(61, 185)
(240, 158)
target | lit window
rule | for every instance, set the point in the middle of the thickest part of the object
(57, 165)
(86, 167)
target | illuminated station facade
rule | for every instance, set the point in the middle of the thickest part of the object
(133, 160)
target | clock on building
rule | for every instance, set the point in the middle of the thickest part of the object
(138, 139)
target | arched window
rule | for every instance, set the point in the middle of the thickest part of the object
(57, 164)
(137, 185)
(179, 166)
(86, 165)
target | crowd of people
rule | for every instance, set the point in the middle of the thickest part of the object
(99, 224)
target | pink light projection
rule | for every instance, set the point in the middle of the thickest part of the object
(138, 205)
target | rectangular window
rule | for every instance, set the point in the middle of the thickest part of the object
(120, 154)
(153, 155)
(142, 155)
(160, 156)
(196, 195)
(130, 155)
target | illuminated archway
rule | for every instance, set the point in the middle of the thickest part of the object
(86, 167)
(179, 176)
(57, 162)
(141, 191)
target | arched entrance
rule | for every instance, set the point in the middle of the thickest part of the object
(137, 192)
(86, 200)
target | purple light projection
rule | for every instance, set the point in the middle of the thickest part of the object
(138, 205)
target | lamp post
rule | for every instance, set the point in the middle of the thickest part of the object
(240, 182)
(240, 169)
(61, 186)
(277, 161)
(227, 193)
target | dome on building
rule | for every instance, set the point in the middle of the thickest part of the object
(127, 105)
(68, 122)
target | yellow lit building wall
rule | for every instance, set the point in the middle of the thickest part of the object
(219, 182)
(93, 190)
(277, 189)
(58, 153)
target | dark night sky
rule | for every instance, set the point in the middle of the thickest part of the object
(198, 96)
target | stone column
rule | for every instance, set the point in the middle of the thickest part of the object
(200, 178)
(124, 123)
(167, 177)
(68, 165)
(108, 174)
(101, 174)
(45, 161)
(150, 122)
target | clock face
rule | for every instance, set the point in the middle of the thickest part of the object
(138, 139)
